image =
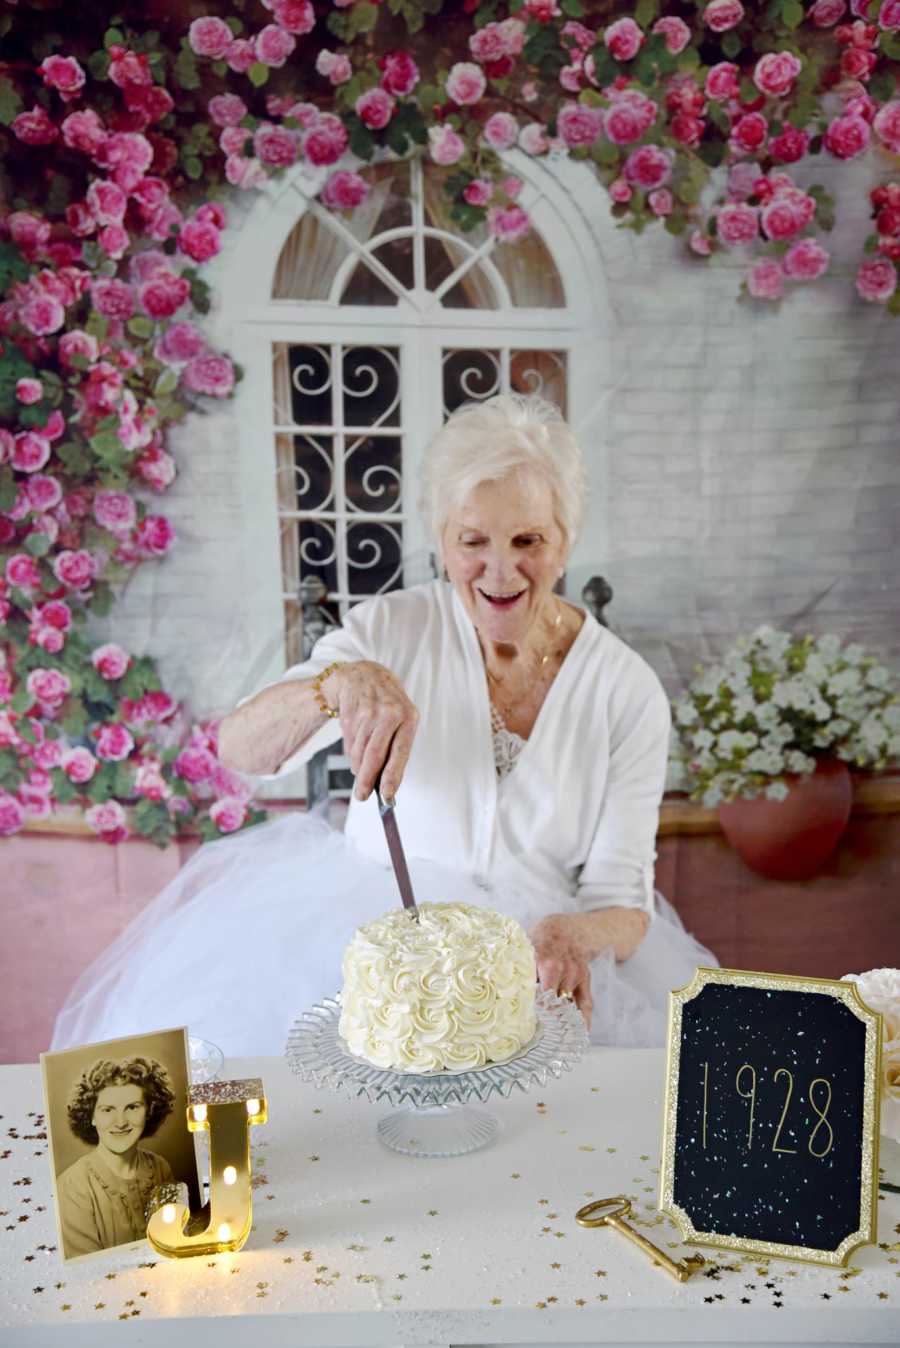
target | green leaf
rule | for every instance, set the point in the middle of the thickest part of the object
(10, 772)
(102, 599)
(106, 443)
(731, 44)
(193, 167)
(75, 722)
(166, 383)
(646, 12)
(890, 45)
(185, 69)
(37, 544)
(21, 701)
(605, 153)
(893, 304)
(8, 488)
(712, 152)
(140, 326)
(10, 102)
(792, 14)
(258, 74)
(871, 244)
(361, 141)
(883, 86)
(77, 458)
(574, 8)
(235, 24)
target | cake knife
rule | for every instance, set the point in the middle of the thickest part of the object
(395, 848)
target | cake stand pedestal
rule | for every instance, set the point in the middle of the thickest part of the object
(434, 1115)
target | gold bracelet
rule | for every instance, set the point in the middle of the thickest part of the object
(317, 688)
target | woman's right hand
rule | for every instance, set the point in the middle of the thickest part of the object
(378, 723)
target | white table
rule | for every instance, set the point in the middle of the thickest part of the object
(356, 1245)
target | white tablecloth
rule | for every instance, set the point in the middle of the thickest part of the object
(356, 1245)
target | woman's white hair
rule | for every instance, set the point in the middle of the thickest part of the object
(488, 441)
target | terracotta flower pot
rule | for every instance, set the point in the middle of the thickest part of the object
(790, 839)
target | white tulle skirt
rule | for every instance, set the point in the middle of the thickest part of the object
(252, 932)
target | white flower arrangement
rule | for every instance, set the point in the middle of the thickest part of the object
(773, 706)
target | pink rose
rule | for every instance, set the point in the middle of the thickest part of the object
(501, 131)
(115, 511)
(374, 108)
(64, 74)
(775, 73)
(233, 139)
(399, 73)
(200, 240)
(244, 173)
(108, 819)
(720, 15)
(227, 109)
(275, 145)
(28, 231)
(620, 191)
(164, 294)
(180, 342)
(156, 467)
(511, 187)
(12, 816)
(334, 67)
(154, 535)
(676, 33)
(194, 764)
(887, 126)
(114, 742)
(629, 117)
(112, 298)
(876, 280)
(825, 13)
(48, 754)
(44, 491)
(478, 192)
(488, 44)
(765, 279)
(444, 145)
(74, 569)
(296, 16)
(210, 374)
(274, 45)
(700, 243)
(736, 223)
(533, 138)
(30, 453)
(241, 55)
(29, 391)
(145, 263)
(40, 781)
(110, 661)
(83, 131)
(344, 190)
(790, 146)
(509, 224)
(50, 687)
(623, 39)
(543, 10)
(56, 614)
(326, 141)
(34, 127)
(661, 202)
(847, 137)
(889, 16)
(578, 124)
(748, 135)
(805, 260)
(149, 780)
(79, 765)
(115, 241)
(649, 167)
(228, 814)
(107, 202)
(465, 83)
(210, 37)
(22, 571)
(42, 315)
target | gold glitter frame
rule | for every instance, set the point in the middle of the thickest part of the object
(848, 994)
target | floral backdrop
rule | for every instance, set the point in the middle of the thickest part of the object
(126, 129)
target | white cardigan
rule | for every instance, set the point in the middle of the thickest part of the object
(578, 813)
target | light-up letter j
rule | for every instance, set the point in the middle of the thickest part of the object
(226, 1109)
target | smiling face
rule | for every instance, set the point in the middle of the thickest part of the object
(504, 550)
(119, 1117)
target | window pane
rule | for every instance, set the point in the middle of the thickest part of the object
(374, 557)
(364, 287)
(305, 472)
(530, 273)
(469, 376)
(372, 473)
(371, 386)
(541, 372)
(302, 378)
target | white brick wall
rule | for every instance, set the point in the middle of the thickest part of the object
(747, 471)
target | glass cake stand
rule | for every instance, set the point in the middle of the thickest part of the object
(434, 1116)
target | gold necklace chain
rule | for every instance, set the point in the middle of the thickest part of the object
(502, 705)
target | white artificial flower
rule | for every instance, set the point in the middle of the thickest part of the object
(878, 676)
(767, 761)
(854, 654)
(685, 712)
(829, 645)
(704, 739)
(845, 681)
(799, 762)
(776, 791)
(816, 668)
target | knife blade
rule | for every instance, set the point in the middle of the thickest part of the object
(395, 848)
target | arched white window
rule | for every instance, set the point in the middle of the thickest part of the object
(373, 327)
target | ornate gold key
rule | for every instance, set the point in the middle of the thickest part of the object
(682, 1269)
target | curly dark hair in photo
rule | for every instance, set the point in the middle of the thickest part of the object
(147, 1073)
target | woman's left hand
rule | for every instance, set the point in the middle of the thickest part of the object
(562, 960)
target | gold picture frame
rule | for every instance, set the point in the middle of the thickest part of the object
(843, 992)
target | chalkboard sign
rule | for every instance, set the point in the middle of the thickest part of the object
(770, 1141)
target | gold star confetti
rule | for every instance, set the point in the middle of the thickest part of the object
(883, 1296)
(366, 1277)
(602, 1297)
(280, 1235)
(401, 1277)
(600, 1273)
(396, 1297)
(645, 1158)
(551, 1299)
(307, 1256)
(843, 1289)
(579, 1302)
(610, 1150)
(424, 1256)
(313, 1158)
(541, 1305)
(389, 1240)
(495, 1301)
(545, 1229)
(595, 1090)
(317, 1111)
(100, 1306)
(560, 1235)
(433, 1212)
(365, 1200)
(586, 1147)
(109, 1278)
(357, 1249)
(851, 1273)
(556, 1265)
(261, 1285)
(288, 1260)
(515, 1175)
(544, 1201)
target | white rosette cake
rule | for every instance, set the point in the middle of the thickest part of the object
(454, 990)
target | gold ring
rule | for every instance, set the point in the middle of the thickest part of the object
(568, 995)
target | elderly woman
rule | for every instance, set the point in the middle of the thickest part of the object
(103, 1195)
(525, 743)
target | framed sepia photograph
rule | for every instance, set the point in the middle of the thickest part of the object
(116, 1129)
